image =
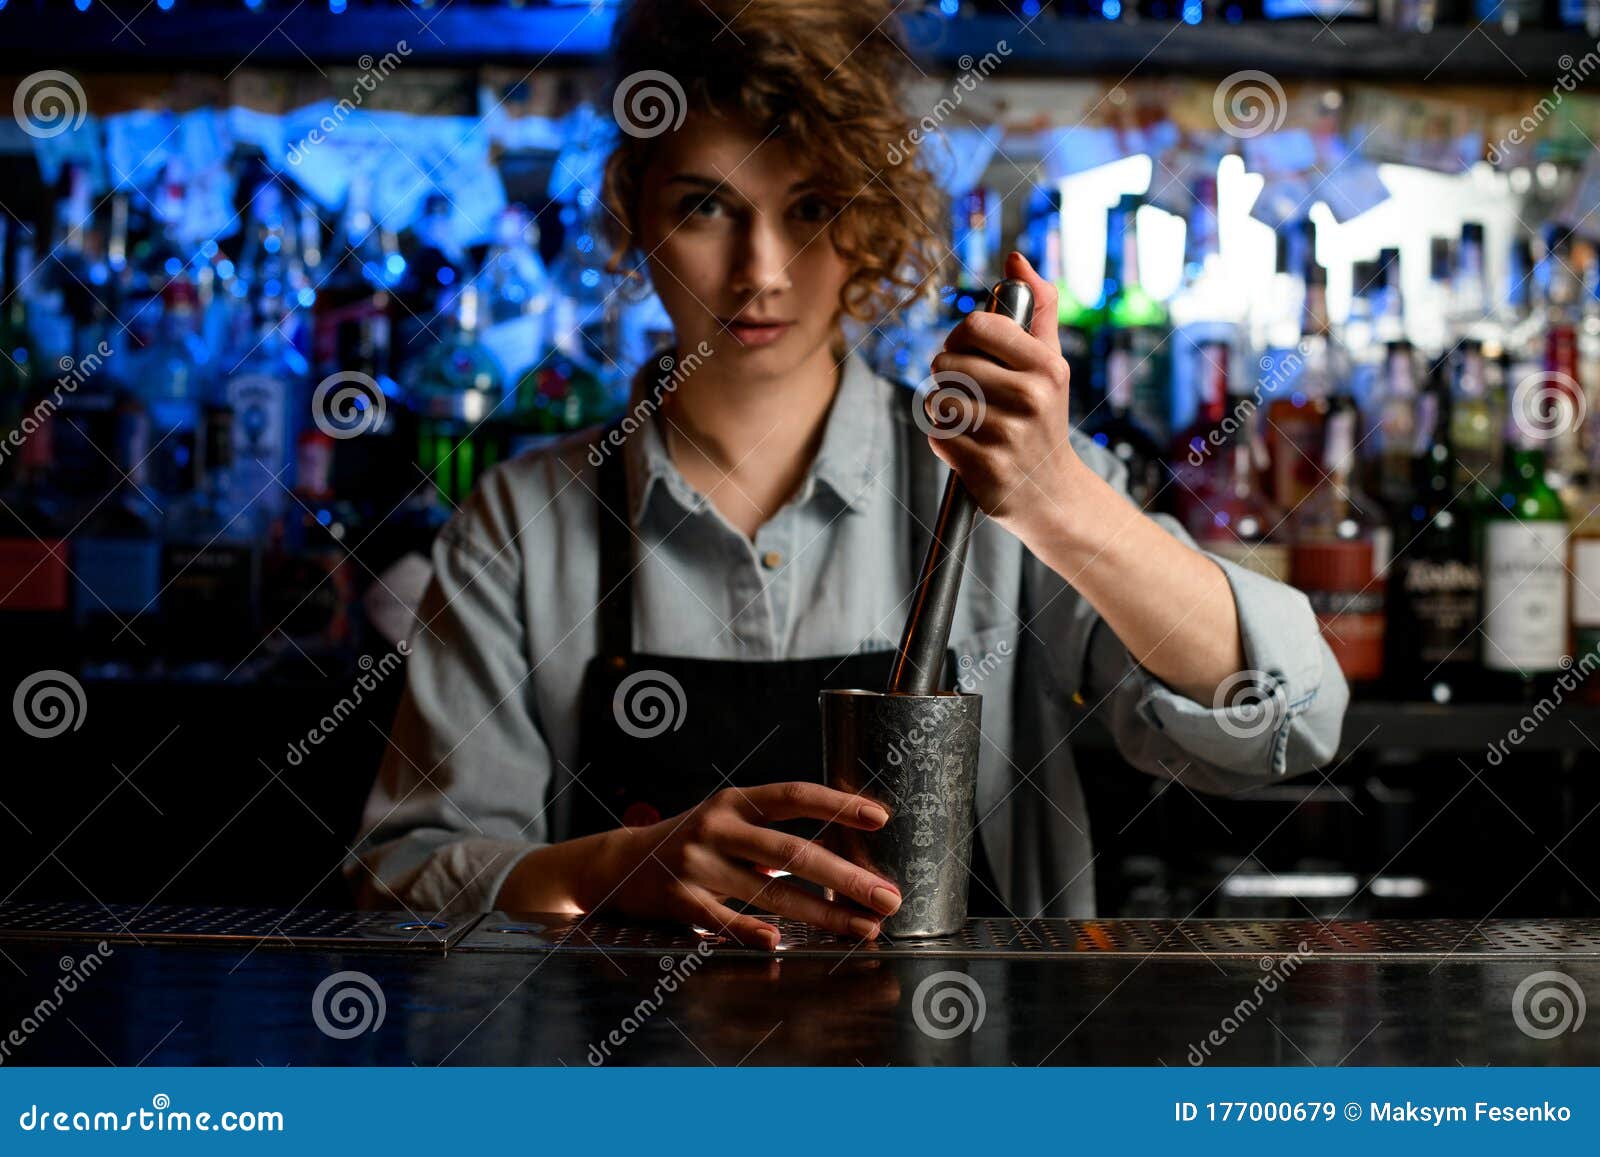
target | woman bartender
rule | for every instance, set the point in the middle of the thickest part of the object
(611, 701)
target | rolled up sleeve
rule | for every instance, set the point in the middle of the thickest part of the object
(459, 798)
(1281, 714)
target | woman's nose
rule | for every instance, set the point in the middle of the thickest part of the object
(762, 263)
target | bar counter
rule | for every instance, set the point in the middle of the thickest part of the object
(193, 986)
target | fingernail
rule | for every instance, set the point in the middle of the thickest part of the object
(864, 928)
(770, 938)
(873, 814)
(885, 901)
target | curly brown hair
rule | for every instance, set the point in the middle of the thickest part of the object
(827, 75)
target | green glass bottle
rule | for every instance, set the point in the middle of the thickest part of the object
(1522, 544)
(1130, 308)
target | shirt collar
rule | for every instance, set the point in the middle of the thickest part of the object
(855, 447)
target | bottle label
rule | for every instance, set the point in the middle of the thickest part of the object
(259, 436)
(1346, 592)
(1586, 583)
(1524, 596)
(1440, 598)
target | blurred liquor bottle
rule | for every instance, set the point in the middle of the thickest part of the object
(1116, 426)
(116, 553)
(1523, 548)
(211, 558)
(1217, 465)
(1131, 310)
(1297, 413)
(1434, 583)
(1336, 557)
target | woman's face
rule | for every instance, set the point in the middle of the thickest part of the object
(739, 248)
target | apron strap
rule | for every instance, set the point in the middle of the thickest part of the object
(615, 608)
(922, 485)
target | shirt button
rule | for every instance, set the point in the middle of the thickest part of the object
(771, 559)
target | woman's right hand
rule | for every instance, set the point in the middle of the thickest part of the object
(686, 866)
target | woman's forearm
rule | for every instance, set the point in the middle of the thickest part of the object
(557, 877)
(1170, 605)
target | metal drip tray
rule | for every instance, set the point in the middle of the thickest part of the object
(276, 926)
(1000, 936)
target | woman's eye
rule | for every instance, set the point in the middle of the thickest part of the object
(700, 206)
(813, 210)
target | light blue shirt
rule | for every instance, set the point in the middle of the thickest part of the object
(479, 767)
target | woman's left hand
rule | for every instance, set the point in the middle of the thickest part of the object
(1009, 445)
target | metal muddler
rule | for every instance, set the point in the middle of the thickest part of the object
(912, 747)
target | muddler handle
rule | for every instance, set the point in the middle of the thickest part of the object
(918, 662)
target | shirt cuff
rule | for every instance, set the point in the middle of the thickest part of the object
(1247, 726)
(460, 877)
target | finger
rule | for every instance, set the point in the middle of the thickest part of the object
(1001, 339)
(999, 388)
(784, 899)
(700, 910)
(800, 799)
(809, 860)
(1046, 298)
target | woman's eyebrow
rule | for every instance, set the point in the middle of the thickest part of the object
(713, 185)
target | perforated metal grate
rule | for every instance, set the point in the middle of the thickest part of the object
(310, 927)
(1014, 937)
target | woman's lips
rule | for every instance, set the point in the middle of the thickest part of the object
(756, 333)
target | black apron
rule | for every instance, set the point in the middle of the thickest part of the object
(660, 733)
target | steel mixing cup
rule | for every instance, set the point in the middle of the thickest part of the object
(918, 756)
